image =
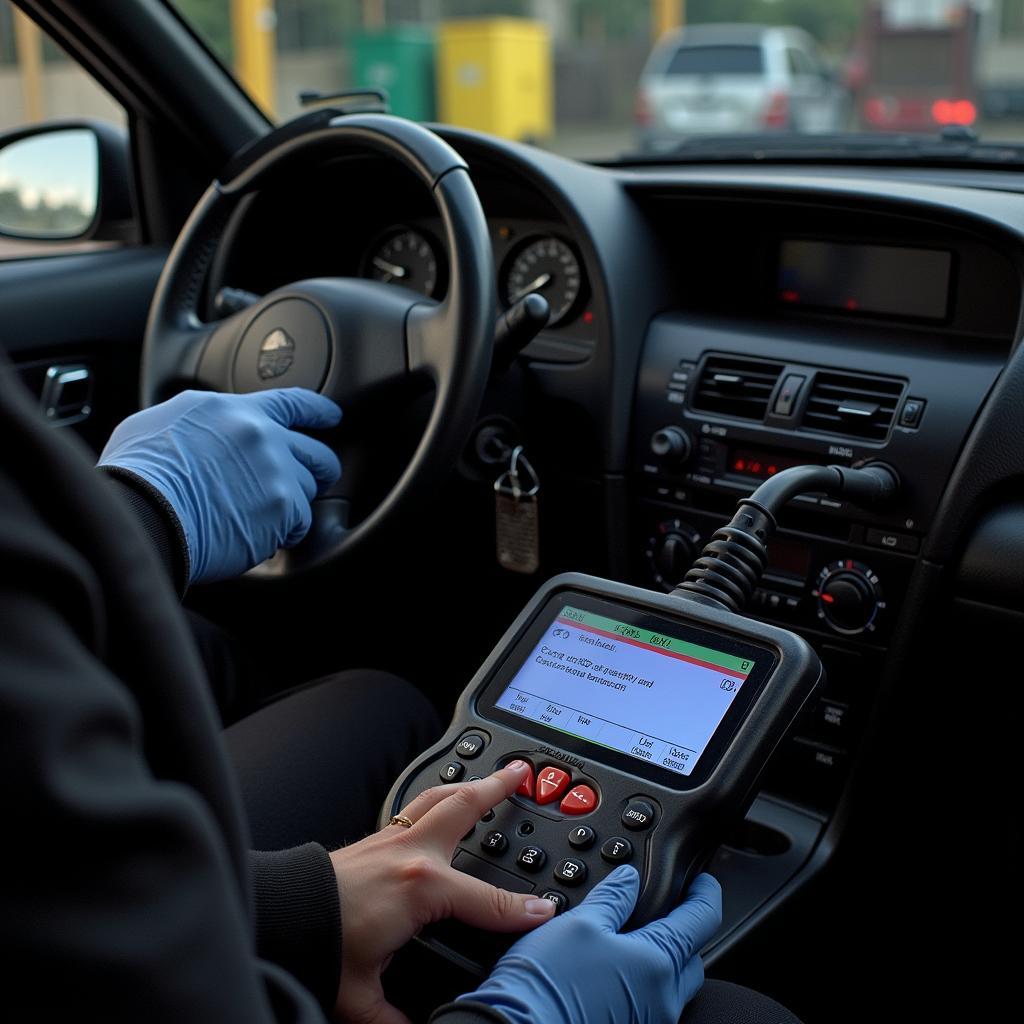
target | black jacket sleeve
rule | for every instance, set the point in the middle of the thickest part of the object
(298, 916)
(159, 521)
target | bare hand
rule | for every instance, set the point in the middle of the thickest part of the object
(399, 879)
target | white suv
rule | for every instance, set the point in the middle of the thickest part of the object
(721, 79)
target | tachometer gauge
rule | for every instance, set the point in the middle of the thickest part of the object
(549, 267)
(407, 258)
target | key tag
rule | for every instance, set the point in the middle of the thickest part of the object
(515, 515)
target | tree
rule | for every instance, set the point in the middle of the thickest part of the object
(619, 19)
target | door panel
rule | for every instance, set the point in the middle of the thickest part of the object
(88, 311)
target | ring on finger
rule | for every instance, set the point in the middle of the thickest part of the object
(401, 819)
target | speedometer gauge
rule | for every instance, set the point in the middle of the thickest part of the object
(405, 257)
(549, 267)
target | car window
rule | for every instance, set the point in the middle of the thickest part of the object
(39, 83)
(799, 63)
(716, 60)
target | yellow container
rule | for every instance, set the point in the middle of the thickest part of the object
(494, 75)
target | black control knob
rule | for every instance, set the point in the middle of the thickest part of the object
(674, 556)
(672, 445)
(849, 601)
(849, 597)
(671, 552)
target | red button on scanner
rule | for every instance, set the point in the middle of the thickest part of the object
(579, 800)
(551, 783)
(525, 788)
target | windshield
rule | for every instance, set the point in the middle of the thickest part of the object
(605, 78)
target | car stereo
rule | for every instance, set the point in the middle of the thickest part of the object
(646, 719)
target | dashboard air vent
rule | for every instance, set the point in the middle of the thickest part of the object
(852, 405)
(736, 387)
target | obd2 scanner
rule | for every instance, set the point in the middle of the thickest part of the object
(646, 718)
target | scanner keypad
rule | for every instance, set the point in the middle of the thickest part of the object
(577, 857)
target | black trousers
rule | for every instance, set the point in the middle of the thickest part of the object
(317, 763)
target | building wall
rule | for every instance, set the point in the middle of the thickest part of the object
(67, 92)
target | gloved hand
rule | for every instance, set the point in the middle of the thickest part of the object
(578, 969)
(238, 478)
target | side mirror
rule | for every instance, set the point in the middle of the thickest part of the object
(66, 180)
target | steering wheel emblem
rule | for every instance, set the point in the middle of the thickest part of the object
(277, 353)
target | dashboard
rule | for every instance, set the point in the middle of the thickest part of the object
(712, 326)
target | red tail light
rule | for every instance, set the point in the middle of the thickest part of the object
(954, 112)
(776, 113)
(642, 109)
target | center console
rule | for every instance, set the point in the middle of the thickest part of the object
(722, 405)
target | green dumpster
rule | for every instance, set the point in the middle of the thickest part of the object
(400, 60)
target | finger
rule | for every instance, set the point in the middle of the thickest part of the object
(365, 1001)
(306, 481)
(387, 1014)
(419, 805)
(317, 458)
(297, 407)
(612, 900)
(485, 906)
(692, 924)
(449, 820)
(302, 518)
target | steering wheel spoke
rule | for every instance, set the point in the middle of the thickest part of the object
(212, 348)
(429, 341)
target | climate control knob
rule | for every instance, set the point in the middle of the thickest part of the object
(671, 552)
(672, 445)
(849, 597)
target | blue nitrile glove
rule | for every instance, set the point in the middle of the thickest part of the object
(578, 969)
(238, 478)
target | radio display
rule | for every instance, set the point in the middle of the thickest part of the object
(881, 279)
(761, 463)
(637, 687)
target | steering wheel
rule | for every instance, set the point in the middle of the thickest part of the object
(354, 340)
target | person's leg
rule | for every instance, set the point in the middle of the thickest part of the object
(316, 764)
(233, 676)
(722, 1002)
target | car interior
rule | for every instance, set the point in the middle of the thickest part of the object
(719, 320)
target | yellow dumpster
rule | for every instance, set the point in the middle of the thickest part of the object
(494, 75)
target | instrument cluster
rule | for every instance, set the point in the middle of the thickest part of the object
(530, 257)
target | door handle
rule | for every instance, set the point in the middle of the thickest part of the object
(67, 394)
